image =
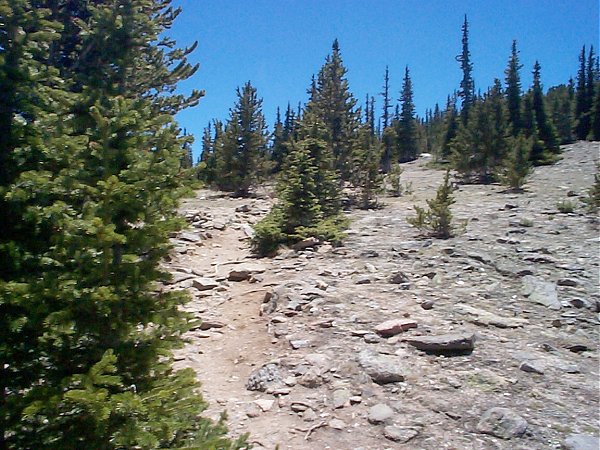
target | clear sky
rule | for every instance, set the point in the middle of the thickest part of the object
(279, 44)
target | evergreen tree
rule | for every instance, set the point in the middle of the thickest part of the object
(187, 159)
(545, 129)
(333, 104)
(386, 99)
(90, 176)
(594, 134)
(467, 84)
(516, 166)
(242, 159)
(406, 127)
(365, 167)
(309, 197)
(479, 147)
(279, 144)
(450, 127)
(513, 90)
(208, 160)
(327, 187)
(560, 103)
(582, 107)
(437, 220)
(388, 142)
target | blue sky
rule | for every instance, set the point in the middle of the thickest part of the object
(279, 44)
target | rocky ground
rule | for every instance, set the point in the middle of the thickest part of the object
(488, 340)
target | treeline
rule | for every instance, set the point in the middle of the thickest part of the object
(90, 174)
(331, 142)
(475, 132)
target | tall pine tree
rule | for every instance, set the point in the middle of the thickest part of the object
(241, 161)
(467, 84)
(334, 105)
(544, 128)
(513, 90)
(406, 126)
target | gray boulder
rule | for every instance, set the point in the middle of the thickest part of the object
(503, 423)
(382, 369)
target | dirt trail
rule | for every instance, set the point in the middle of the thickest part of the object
(538, 361)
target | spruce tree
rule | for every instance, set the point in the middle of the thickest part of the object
(90, 178)
(187, 158)
(545, 130)
(308, 193)
(278, 146)
(365, 167)
(437, 220)
(334, 105)
(594, 134)
(513, 90)
(406, 127)
(467, 84)
(386, 99)
(582, 107)
(208, 161)
(560, 103)
(450, 127)
(241, 161)
(480, 146)
(516, 166)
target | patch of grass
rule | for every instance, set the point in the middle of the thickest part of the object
(565, 206)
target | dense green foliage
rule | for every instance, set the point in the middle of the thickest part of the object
(241, 158)
(308, 199)
(90, 174)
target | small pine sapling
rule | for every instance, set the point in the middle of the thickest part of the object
(437, 220)
(516, 166)
(394, 180)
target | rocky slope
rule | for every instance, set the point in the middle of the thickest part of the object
(488, 340)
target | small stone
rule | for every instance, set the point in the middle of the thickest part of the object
(305, 243)
(252, 410)
(341, 398)
(337, 424)
(311, 379)
(264, 404)
(443, 344)
(382, 369)
(209, 324)
(243, 209)
(309, 415)
(371, 338)
(570, 282)
(582, 442)
(299, 406)
(299, 343)
(204, 284)
(503, 423)
(541, 292)
(239, 275)
(427, 304)
(532, 366)
(399, 278)
(395, 326)
(263, 378)
(399, 434)
(355, 399)
(363, 280)
(380, 413)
